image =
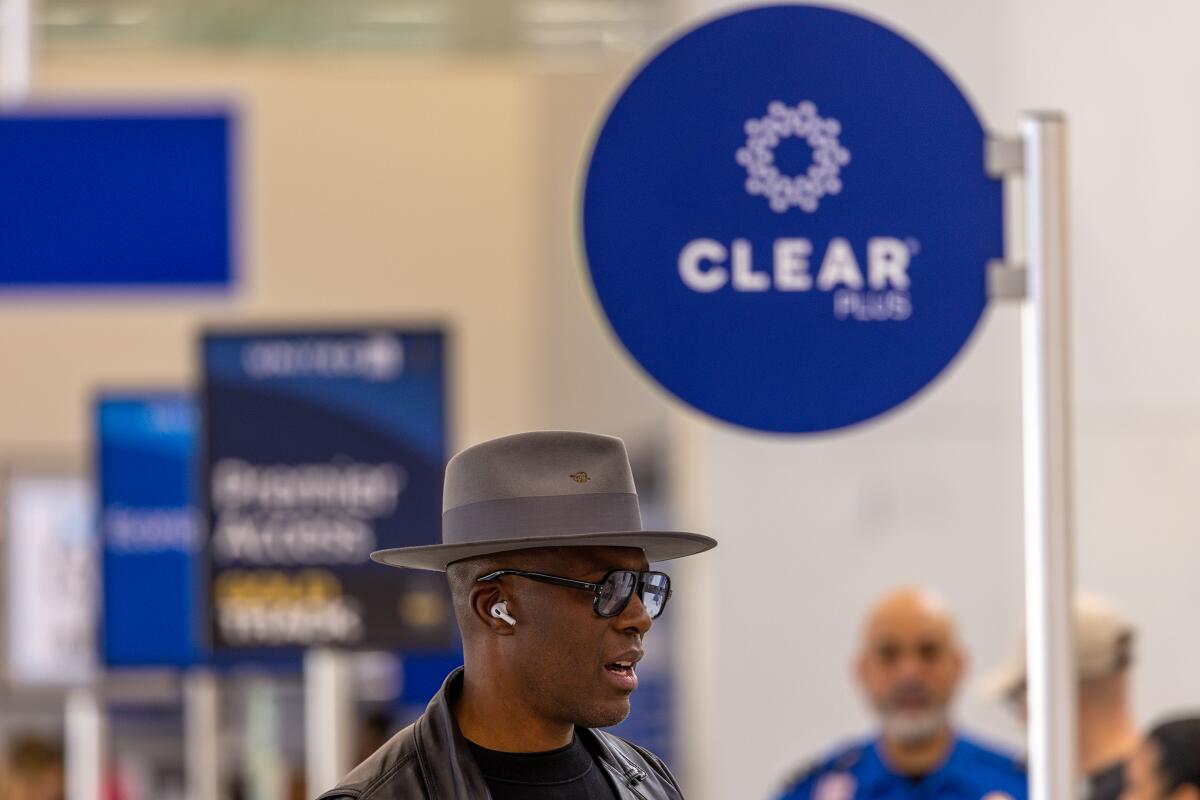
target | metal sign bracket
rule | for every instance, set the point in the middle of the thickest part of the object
(1003, 157)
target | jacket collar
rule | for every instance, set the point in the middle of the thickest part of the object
(446, 761)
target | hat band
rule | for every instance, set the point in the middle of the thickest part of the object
(552, 515)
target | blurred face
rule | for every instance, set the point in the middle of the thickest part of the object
(909, 667)
(43, 785)
(571, 659)
(1143, 778)
(1142, 781)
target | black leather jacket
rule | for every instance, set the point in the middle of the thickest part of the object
(430, 759)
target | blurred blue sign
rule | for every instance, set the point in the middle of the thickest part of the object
(787, 218)
(108, 199)
(150, 530)
(321, 447)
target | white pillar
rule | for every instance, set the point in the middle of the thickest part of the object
(1049, 566)
(84, 751)
(262, 752)
(16, 50)
(201, 735)
(328, 719)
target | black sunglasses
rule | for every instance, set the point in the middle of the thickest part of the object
(612, 592)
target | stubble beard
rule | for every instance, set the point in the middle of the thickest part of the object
(569, 702)
(914, 728)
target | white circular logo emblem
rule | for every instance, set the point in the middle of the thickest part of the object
(805, 191)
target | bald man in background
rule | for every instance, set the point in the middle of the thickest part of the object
(909, 666)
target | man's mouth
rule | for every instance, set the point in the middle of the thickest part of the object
(623, 671)
(911, 699)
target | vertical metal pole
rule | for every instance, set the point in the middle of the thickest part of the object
(328, 719)
(84, 724)
(1049, 566)
(201, 735)
(16, 50)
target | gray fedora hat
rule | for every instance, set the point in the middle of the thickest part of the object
(541, 489)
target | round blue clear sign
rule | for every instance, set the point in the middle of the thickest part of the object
(787, 218)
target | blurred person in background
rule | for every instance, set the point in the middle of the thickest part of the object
(909, 666)
(35, 771)
(1166, 765)
(548, 568)
(1107, 733)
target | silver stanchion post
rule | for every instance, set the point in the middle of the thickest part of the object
(328, 718)
(1041, 284)
(1049, 567)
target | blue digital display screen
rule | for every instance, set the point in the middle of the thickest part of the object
(96, 200)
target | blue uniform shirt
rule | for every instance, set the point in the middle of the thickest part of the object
(972, 772)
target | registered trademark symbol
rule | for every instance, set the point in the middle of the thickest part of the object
(913, 245)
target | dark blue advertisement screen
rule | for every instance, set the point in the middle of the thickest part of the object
(149, 529)
(106, 199)
(321, 447)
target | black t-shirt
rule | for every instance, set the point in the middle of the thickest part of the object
(1107, 783)
(569, 773)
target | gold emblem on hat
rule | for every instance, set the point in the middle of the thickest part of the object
(580, 477)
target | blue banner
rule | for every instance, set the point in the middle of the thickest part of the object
(150, 529)
(788, 221)
(320, 447)
(108, 199)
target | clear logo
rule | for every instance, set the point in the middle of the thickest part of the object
(763, 177)
(872, 289)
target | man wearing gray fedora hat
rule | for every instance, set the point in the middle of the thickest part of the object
(548, 565)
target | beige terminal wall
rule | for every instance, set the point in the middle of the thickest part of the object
(372, 188)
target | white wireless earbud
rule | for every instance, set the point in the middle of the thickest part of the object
(500, 611)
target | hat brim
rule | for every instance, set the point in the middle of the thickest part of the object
(658, 546)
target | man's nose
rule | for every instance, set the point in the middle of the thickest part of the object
(635, 618)
(911, 665)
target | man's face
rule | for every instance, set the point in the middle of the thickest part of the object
(909, 667)
(563, 648)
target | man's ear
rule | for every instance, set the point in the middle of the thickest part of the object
(483, 596)
(860, 666)
(961, 660)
